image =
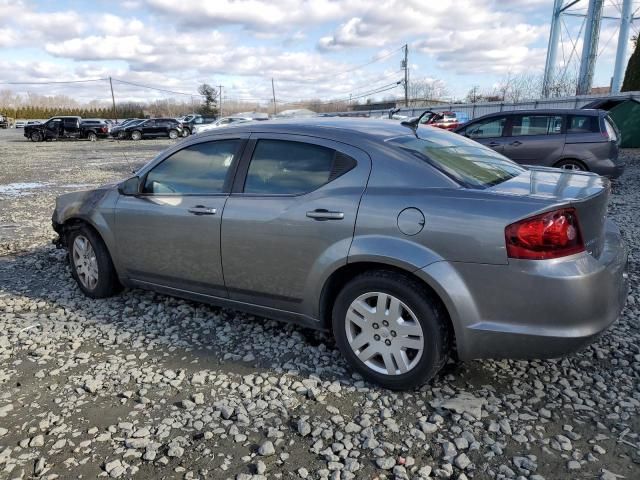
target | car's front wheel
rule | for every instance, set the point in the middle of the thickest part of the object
(136, 135)
(173, 134)
(35, 137)
(91, 264)
(186, 132)
(390, 329)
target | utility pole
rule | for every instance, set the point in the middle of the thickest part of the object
(113, 99)
(623, 40)
(590, 46)
(220, 97)
(406, 75)
(273, 90)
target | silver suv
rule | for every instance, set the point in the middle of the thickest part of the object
(408, 244)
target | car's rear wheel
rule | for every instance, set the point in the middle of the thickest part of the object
(173, 134)
(572, 165)
(390, 329)
(136, 135)
(35, 137)
(92, 137)
(91, 264)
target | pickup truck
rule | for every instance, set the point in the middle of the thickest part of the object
(63, 127)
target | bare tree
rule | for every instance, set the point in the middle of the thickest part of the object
(425, 90)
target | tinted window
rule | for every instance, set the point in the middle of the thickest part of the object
(197, 169)
(536, 125)
(471, 164)
(492, 127)
(583, 124)
(282, 167)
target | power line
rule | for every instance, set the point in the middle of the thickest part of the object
(55, 82)
(158, 89)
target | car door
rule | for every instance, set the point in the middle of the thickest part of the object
(535, 139)
(489, 132)
(71, 127)
(148, 128)
(291, 214)
(53, 128)
(169, 234)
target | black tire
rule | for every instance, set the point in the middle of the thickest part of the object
(108, 283)
(427, 309)
(136, 135)
(92, 137)
(173, 134)
(572, 164)
(35, 137)
(186, 132)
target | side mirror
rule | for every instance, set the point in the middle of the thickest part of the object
(131, 186)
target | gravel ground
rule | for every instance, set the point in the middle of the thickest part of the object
(149, 386)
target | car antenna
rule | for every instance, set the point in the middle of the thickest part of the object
(415, 122)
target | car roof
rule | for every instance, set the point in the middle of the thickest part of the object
(547, 111)
(337, 128)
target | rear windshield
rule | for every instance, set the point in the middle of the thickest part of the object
(467, 162)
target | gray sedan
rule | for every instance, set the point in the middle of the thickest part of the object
(410, 246)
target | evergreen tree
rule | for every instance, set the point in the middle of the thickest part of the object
(632, 76)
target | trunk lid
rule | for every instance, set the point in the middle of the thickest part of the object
(586, 192)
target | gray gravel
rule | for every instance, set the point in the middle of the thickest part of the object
(149, 386)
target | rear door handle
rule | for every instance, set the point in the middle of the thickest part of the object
(517, 143)
(202, 210)
(322, 214)
(493, 144)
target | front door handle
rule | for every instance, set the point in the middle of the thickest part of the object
(322, 214)
(517, 143)
(202, 210)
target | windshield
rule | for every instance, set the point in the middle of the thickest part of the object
(469, 163)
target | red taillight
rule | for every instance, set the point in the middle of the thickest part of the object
(550, 235)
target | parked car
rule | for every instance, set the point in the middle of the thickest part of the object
(95, 128)
(448, 120)
(223, 122)
(6, 121)
(189, 122)
(409, 246)
(117, 131)
(583, 140)
(20, 123)
(64, 127)
(32, 122)
(153, 128)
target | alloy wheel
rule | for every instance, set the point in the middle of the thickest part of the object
(85, 262)
(384, 333)
(572, 166)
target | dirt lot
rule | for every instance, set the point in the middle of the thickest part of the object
(152, 386)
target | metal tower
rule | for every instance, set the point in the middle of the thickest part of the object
(590, 43)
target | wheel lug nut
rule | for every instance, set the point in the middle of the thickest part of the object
(385, 323)
(387, 342)
(376, 337)
(376, 326)
(393, 333)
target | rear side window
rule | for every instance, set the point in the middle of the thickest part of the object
(583, 124)
(536, 125)
(469, 163)
(280, 167)
(199, 169)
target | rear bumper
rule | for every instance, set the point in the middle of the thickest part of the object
(608, 168)
(533, 309)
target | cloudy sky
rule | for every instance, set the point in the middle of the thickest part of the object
(325, 49)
